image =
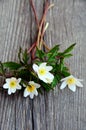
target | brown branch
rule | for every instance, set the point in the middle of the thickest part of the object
(41, 31)
(42, 22)
(34, 11)
(30, 49)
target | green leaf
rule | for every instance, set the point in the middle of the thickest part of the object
(52, 57)
(70, 48)
(1, 71)
(55, 48)
(11, 65)
(61, 64)
(25, 57)
(39, 91)
(47, 87)
(65, 73)
(19, 54)
(52, 54)
(40, 54)
(55, 81)
(24, 74)
(67, 55)
(1, 68)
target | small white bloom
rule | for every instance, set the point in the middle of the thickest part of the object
(72, 82)
(31, 89)
(12, 84)
(43, 72)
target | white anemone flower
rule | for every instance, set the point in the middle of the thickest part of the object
(71, 82)
(31, 89)
(12, 84)
(43, 72)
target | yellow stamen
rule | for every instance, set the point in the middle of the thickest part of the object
(13, 84)
(30, 88)
(71, 81)
(42, 71)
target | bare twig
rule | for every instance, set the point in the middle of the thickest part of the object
(35, 14)
(41, 29)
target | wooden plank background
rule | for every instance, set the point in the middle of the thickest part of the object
(57, 110)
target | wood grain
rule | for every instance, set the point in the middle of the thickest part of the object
(56, 110)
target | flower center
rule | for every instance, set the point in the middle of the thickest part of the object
(42, 71)
(13, 84)
(71, 81)
(30, 88)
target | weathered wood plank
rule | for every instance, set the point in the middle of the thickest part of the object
(68, 109)
(15, 112)
(58, 110)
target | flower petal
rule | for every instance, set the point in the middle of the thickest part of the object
(31, 82)
(49, 68)
(9, 92)
(42, 65)
(72, 88)
(8, 80)
(24, 85)
(19, 87)
(26, 93)
(64, 84)
(79, 84)
(36, 93)
(13, 90)
(31, 95)
(13, 78)
(37, 85)
(66, 78)
(79, 79)
(35, 67)
(49, 76)
(19, 80)
(5, 86)
(42, 78)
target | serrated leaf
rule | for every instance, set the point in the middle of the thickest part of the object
(11, 65)
(70, 48)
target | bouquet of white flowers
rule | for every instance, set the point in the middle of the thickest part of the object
(39, 66)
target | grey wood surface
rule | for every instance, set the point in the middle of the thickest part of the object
(56, 110)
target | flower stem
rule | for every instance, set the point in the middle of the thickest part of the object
(34, 11)
(41, 29)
